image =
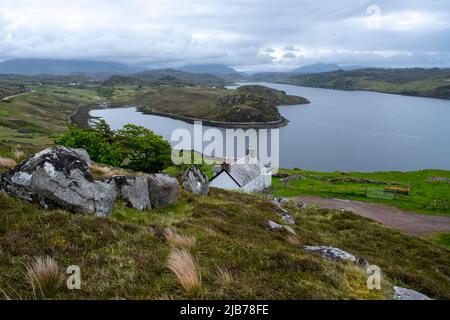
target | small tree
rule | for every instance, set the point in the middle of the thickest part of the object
(144, 150)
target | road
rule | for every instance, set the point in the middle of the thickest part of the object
(17, 95)
(407, 222)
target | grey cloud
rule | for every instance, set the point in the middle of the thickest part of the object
(247, 34)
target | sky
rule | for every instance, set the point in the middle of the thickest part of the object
(249, 35)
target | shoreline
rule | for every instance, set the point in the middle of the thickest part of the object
(81, 117)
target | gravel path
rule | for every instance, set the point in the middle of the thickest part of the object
(408, 222)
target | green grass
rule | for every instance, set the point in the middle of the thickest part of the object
(120, 257)
(440, 238)
(33, 120)
(426, 196)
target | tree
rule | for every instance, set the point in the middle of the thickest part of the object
(143, 149)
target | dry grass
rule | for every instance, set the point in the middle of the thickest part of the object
(179, 240)
(45, 275)
(17, 153)
(185, 269)
(225, 276)
(210, 231)
(7, 163)
(294, 240)
(102, 171)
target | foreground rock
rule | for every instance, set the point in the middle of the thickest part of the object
(195, 181)
(336, 254)
(59, 178)
(163, 190)
(408, 294)
(275, 226)
(133, 190)
(284, 214)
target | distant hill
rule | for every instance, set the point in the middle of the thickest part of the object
(179, 76)
(324, 67)
(216, 69)
(62, 67)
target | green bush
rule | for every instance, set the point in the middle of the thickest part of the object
(133, 147)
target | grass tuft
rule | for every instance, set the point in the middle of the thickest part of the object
(185, 269)
(45, 275)
(179, 240)
(7, 163)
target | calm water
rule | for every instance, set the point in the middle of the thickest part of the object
(343, 130)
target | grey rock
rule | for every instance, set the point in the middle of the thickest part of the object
(301, 204)
(275, 226)
(83, 155)
(195, 181)
(162, 189)
(331, 253)
(287, 217)
(58, 178)
(408, 294)
(133, 190)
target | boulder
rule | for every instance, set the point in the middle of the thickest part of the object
(83, 155)
(336, 254)
(408, 294)
(58, 178)
(133, 190)
(195, 181)
(287, 217)
(162, 189)
(275, 226)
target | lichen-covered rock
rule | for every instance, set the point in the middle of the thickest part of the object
(83, 155)
(275, 226)
(195, 181)
(133, 190)
(336, 254)
(408, 294)
(287, 217)
(163, 190)
(58, 178)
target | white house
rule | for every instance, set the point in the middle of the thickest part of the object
(246, 174)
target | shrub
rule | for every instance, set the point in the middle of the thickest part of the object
(133, 147)
(145, 151)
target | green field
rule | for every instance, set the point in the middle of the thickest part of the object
(426, 196)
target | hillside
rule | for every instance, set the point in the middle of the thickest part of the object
(186, 78)
(248, 104)
(126, 256)
(216, 69)
(433, 83)
(61, 67)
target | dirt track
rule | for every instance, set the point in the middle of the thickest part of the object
(408, 222)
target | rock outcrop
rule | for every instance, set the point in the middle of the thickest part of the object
(275, 226)
(195, 181)
(59, 178)
(408, 294)
(336, 254)
(163, 190)
(133, 190)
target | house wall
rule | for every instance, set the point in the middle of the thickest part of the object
(258, 184)
(224, 181)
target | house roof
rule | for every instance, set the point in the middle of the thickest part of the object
(243, 171)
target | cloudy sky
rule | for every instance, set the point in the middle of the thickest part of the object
(246, 34)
